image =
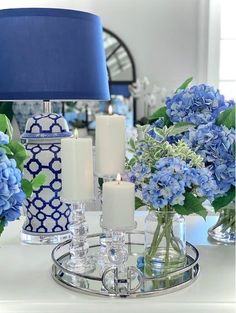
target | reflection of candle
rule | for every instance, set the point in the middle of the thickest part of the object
(110, 144)
(118, 205)
(76, 133)
(110, 109)
(77, 169)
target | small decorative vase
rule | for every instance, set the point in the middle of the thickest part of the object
(47, 218)
(224, 230)
(165, 243)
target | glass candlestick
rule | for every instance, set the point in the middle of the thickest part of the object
(117, 252)
(105, 238)
(120, 278)
(79, 261)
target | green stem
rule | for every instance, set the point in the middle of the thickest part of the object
(220, 222)
(226, 220)
(155, 244)
(174, 243)
(168, 236)
(2, 225)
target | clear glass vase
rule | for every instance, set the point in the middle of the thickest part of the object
(165, 243)
(224, 230)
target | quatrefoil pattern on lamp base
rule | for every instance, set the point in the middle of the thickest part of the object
(44, 211)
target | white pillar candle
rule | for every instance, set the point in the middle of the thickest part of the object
(118, 205)
(110, 145)
(77, 170)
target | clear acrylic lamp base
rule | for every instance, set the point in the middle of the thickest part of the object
(37, 239)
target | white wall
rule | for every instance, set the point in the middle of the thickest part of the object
(162, 35)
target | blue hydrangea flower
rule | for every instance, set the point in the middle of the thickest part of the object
(199, 104)
(215, 144)
(11, 194)
(172, 176)
(204, 183)
(137, 174)
(141, 147)
(4, 139)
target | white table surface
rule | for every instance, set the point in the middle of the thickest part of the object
(27, 287)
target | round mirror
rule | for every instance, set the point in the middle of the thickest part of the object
(120, 64)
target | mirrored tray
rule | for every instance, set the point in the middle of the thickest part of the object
(138, 283)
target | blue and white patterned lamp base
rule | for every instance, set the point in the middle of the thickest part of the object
(47, 218)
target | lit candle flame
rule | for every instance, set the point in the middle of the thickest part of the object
(118, 178)
(110, 109)
(76, 133)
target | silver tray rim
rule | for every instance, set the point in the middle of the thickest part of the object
(194, 266)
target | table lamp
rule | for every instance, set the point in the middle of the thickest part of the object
(49, 54)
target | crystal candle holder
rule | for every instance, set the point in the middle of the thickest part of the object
(119, 277)
(106, 235)
(80, 261)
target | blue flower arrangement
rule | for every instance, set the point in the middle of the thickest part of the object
(212, 134)
(185, 156)
(169, 176)
(14, 189)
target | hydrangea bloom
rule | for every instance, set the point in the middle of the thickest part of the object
(204, 183)
(199, 104)
(11, 194)
(167, 185)
(138, 173)
(215, 144)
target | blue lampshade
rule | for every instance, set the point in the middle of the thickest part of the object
(51, 54)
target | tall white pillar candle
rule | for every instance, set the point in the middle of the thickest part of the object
(118, 205)
(110, 145)
(77, 170)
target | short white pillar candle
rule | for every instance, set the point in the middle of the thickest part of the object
(110, 145)
(118, 205)
(77, 170)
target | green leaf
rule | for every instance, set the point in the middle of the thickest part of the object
(221, 202)
(161, 112)
(185, 84)
(132, 143)
(192, 204)
(131, 162)
(138, 203)
(5, 125)
(27, 187)
(180, 128)
(2, 225)
(203, 213)
(227, 118)
(7, 149)
(6, 108)
(38, 181)
(20, 154)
